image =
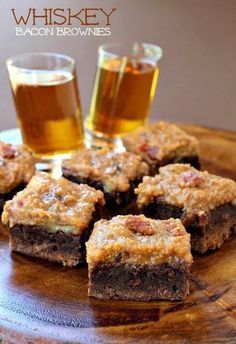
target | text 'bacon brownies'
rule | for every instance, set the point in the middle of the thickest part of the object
(135, 258)
(204, 202)
(52, 219)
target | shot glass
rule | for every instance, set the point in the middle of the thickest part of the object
(124, 88)
(47, 102)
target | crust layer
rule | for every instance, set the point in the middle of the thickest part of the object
(144, 283)
(55, 247)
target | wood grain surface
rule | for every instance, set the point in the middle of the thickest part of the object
(46, 303)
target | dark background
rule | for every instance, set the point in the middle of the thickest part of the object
(198, 71)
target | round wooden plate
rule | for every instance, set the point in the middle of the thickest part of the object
(46, 303)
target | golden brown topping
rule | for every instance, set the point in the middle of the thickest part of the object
(160, 141)
(182, 185)
(50, 203)
(162, 241)
(137, 225)
(114, 170)
(16, 166)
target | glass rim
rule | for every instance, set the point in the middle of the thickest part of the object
(105, 48)
(10, 62)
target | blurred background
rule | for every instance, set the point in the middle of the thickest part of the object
(197, 82)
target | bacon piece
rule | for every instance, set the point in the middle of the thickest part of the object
(144, 147)
(140, 227)
(8, 152)
(190, 178)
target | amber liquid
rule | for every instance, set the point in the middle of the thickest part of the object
(49, 113)
(122, 95)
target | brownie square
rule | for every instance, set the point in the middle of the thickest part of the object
(114, 173)
(162, 143)
(16, 169)
(52, 219)
(205, 203)
(135, 258)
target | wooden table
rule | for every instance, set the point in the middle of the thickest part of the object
(46, 303)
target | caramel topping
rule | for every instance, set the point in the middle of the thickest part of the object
(49, 203)
(159, 141)
(138, 240)
(16, 166)
(114, 170)
(181, 185)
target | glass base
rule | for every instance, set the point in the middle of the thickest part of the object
(51, 164)
(97, 139)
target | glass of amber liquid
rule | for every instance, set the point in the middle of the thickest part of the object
(47, 102)
(124, 88)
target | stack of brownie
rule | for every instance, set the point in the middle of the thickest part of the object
(149, 253)
(115, 173)
(135, 258)
(205, 203)
(52, 219)
(163, 143)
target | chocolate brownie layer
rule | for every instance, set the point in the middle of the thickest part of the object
(208, 231)
(116, 202)
(135, 282)
(192, 160)
(9, 195)
(37, 242)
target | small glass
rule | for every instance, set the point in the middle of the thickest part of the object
(124, 88)
(47, 102)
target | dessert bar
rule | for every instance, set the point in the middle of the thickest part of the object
(115, 173)
(162, 143)
(132, 257)
(204, 202)
(52, 219)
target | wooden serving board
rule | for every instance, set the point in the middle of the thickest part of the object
(46, 303)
